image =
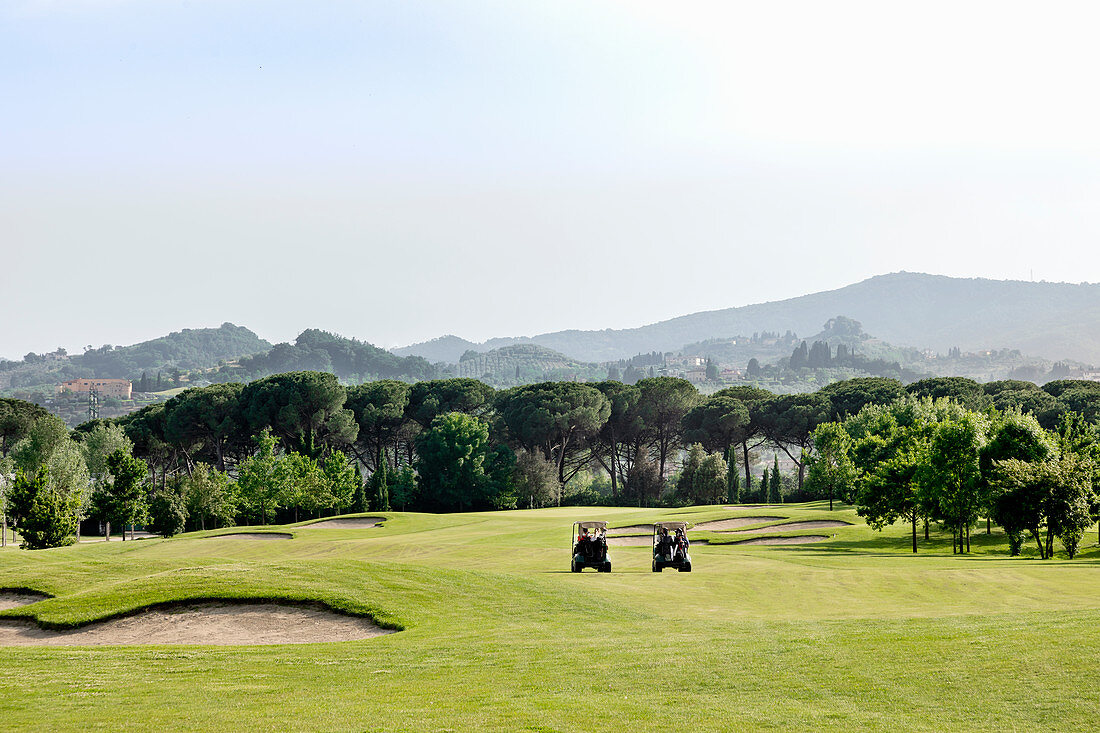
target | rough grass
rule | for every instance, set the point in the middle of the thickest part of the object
(855, 632)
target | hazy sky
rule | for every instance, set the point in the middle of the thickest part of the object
(399, 170)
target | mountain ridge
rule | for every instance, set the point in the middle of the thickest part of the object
(1052, 320)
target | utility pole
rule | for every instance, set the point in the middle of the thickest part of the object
(93, 403)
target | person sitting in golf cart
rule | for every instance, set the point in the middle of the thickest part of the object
(681, 543)
(590, 549)
(664, 542)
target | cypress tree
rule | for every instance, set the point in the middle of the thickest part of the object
(774, 493)
(380, 490)
(764, 487)
(360, 503)
(733, 478)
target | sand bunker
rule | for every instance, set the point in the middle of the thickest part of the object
(805, 539)
(346, 523)
(812, 524)
(16, 598)
(646, 541)
(216, 623)
(723, 524)
(632, 529)
(253, 536)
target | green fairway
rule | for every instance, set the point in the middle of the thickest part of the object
(852, 633)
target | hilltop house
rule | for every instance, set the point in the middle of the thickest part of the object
(121, 388)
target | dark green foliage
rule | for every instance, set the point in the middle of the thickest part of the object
(718, 423)
(1060, 386)
(379, 491)
(380, 411)
(954, 473)
(316, 350)
(404, 490)
(428, 400)
(775, 495)
(1047, 499)
(122, 499)
(305, 410)
(536, 480)
(1009, 385)
(16, 419)
(167, 512)
(788, 421)
(47, 518)
(850, 396)
(211, 417)
(643, 483)
(1085, 401)
(662, 406)
(454, 465)
(686, 481)
(556, 419)
(733, 478)
(360, 501)
(965, 391)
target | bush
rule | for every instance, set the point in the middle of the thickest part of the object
(167, 513)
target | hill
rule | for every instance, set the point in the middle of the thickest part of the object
(321, 351)
(1050, 320)
(448, 349)
(523, 364)
(186, 350)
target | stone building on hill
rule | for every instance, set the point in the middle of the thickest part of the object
(121, 388)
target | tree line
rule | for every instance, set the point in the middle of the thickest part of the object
(303, 444)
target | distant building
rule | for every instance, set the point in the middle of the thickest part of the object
(121, 388)
(696, 376)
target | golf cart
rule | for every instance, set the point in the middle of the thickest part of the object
(590, 547)
(670, 547)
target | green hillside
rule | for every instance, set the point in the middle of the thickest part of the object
(853, 633)
(320, 351)
(186, 350)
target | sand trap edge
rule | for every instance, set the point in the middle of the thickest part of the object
(18, 597)
(344, 523)
(777, 540)
(181, 603)
(251, 536)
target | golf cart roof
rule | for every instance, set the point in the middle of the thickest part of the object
(592, 525)
(670, 525)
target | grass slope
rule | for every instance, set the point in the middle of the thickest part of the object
(852, 633)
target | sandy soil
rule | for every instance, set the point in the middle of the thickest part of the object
(812, 524)
(347, 523)
(722, 524)
(646, 541)
(218, 624)
(632, 529)
(253, 536)
(805, 539)
(16, 598)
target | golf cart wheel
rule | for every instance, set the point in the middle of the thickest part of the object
(656, 567)
(605, 568)
(574, 567)
(686, 568)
